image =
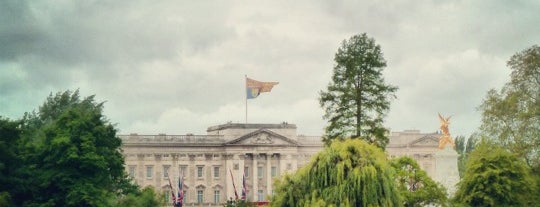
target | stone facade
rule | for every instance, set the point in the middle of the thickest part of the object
(420, 146)
(261, 152)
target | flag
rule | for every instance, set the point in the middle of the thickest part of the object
(254, 88)
(244, 189)
(234, 186)
(180, 198)
(172, 192)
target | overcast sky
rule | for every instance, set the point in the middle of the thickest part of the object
(178, 67)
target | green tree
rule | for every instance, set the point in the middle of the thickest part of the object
(10, 163)
(463, 148)
(147, 197)
(511, 116)
(495, 177)
(239, 203)
(72, 155)
(347, 173)
(357, 98)
(415, 186)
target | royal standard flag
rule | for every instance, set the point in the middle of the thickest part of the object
(254, 88)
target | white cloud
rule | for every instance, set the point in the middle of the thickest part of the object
(178, 67)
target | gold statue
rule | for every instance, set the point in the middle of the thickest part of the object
(445, 138)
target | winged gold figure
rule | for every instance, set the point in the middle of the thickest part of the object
(445, 138)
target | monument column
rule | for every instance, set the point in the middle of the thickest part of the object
(446, 169)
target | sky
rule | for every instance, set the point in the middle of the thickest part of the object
(178, 67)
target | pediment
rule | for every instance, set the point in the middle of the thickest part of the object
(425, 141)
(263, 137)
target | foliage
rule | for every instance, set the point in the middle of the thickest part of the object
(65, 154)
(145, 198)
(495, 177)
(10, 163)
(239, 203)
(348, 173)
(415, 186)
(357, 97)
(5, 199)
(463, 148)
(511, 116)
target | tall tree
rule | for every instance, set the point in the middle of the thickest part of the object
(348, 173)
(72, 154)
(357, 98)
(463, 148)
(415, 186)
(511, 116)
(495, 177)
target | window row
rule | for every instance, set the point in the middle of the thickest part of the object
(200, 197)
(216, 171)
(149, 173)
(261, 171)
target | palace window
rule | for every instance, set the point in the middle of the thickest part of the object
(274, 171)
(166, 171)
(246, 171)
(183, 170)
(200, 196)
(149, 171)
(260, 172)
(216, 196)
(216, 171)
(260, 195)
(132, 171)
(200, 171)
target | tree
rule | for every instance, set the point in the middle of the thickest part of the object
(147, 197)
(347, 173)
(511, 116)
(357, 97)
(10, 163)
(495, 177)
(72, 155)
(415, 186)
(463, 148)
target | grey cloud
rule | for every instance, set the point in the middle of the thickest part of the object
(148, 59)
(489, 24)
(19, 31)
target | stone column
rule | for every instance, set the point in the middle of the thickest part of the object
(268, 174)
(140, 174)
(238, 174)
(229, 165)
(255, 185)
(158, 171)
(283, 163)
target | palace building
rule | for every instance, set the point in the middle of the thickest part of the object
(209, 163)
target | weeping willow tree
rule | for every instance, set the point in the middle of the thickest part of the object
(348, 173)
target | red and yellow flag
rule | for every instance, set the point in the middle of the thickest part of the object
(254, 88)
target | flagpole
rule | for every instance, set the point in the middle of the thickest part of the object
(245, 92)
